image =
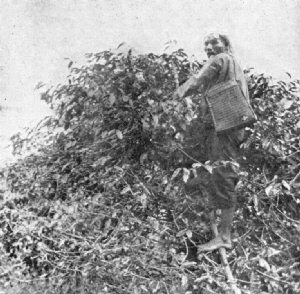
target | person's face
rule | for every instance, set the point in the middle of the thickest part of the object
(213, 45)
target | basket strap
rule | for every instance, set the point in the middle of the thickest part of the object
(233, 60)
(233, 67)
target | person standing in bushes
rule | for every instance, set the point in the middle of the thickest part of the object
(220, 67)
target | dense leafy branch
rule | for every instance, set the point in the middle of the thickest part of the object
(101, 203)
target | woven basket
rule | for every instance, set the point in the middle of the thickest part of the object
(229, 107)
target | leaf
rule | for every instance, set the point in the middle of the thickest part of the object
(265, 143)
(181, 233)
(125, 190)
(286, 103)
(208, 167)
(144, 200)
(155, 120)
(150, 101)
(175, 174)
(255, 201)
(186, 174)
(197, 164)
(101, 161)
(125, 98)
(264, 264)
(39, 85)
(145, 124)
(202, 278)
(154, 286)
(286, 185)
(189, 102)
(64, 179)
(183, 125)
(71, 209)
(143, 157)
(189, 264)
(120, 45)
(104, 134)
(271, 251)
(144, 288)
(112, 99)
(119, 134)
(189, 234)
(70, 144)
(91, 93)
(269, 189)
(184, 280)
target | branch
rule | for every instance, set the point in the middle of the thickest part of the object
(292, 182)
(290, 219)
(273, 278)
(290, 155)
(192, 158)
(228, 272)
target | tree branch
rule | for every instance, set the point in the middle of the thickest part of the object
(228, 272)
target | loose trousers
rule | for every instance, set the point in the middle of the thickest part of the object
(224, 177)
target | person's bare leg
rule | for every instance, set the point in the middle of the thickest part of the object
(224, 237)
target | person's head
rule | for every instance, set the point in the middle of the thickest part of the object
(216, 43)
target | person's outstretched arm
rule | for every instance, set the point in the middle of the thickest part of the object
(201, 80)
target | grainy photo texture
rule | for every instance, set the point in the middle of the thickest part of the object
(149, 147)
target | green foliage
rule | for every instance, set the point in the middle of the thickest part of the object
(101, 206)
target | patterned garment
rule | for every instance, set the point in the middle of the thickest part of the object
(225, 147)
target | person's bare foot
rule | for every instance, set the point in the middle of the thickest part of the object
(215, 244)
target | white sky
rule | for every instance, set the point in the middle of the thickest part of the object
(36, 36)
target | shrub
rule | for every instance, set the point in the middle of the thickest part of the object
(102, 205)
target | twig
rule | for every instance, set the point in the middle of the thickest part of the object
(136, 275)
(187, 249)
(249, 231)
(210, 260)
(295, 179)
(290, 155)
(248, 282)
(207, 290)
(290, 219)
(174, 218)
(146, 190)
(113, 234)
(284, 239)
(166, 288)
(192, 158)
(37, 279)
(228, 272)
(75, 236)
(273, 278)
(240, 280)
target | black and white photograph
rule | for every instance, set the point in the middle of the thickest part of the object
(149, 147)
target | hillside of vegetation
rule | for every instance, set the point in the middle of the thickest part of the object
(105, 203)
